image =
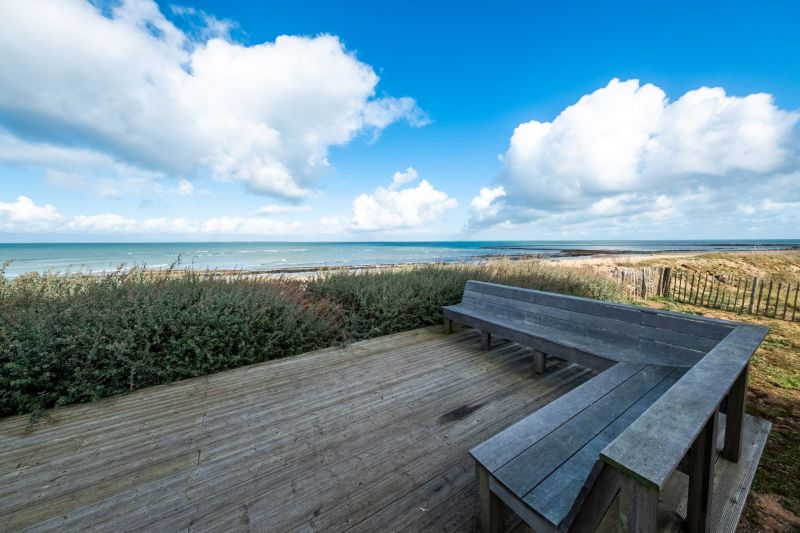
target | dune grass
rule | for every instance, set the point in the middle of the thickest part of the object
(75, 338)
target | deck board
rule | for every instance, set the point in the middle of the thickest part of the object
(371, 436)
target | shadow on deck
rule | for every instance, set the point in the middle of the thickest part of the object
(370, 437)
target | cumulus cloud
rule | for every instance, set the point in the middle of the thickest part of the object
(391, 208)
(136, 91)
(24, 213)
(626, 151)
(25, 216)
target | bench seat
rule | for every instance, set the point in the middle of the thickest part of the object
(590, 347)
(544, 465)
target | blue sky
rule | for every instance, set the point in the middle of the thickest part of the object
(290, 121)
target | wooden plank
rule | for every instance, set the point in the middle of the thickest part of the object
(506, 445)
(735, 416)
(642, 329)
(796, 291)
(701, 477)
(786, 301)
(539, 362)
(558, 497)
(712, 328)
(525, 471)
(675, 420)
(492, 510)
(553, 337)
(572, 354)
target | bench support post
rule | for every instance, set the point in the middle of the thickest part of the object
(539, 361)
(701, 477)
(638, 506)
(448, 323)
(491, 518)
(486, 340)
(735, 417)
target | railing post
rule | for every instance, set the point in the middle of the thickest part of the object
(701, 477)
(638, 506)
(735, 417)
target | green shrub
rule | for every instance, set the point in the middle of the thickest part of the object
(74, 338)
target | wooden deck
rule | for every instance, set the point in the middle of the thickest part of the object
(370, 437)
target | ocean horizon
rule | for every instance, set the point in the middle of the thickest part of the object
(22, 258)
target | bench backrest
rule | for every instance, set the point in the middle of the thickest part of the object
(617, 324)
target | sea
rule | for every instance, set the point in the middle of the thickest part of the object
(294, 257)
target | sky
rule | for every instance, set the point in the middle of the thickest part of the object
(137, 120)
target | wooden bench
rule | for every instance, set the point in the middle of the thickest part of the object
(610, 446)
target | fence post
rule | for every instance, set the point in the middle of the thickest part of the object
(796, 290)
(752, 296)
(644, 284)
(666, 278)
(786, 300)
(766, 304)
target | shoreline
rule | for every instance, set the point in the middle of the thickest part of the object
(567, 257)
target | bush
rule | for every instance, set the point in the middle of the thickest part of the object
(74, 338)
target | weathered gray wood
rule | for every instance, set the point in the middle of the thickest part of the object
(486, 341)
(712, 328)
(786, 301)
(647, 328)
(524, 338)
(543, 457)
(675, 420)
(540, 333)
(701, 477)
(492, 509)
(638, 506)
(559, 497)
(735, 416)
(539, 362)
(598, 499)
(506, 445)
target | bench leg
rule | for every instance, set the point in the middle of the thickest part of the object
(735, 417)
(486, 340)
(449, 325)
(492, 512)
(638, 506)
(701, 478)
(539, 362)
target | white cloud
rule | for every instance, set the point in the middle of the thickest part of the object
(135, 90)
(486, 205)
(626, 154)
(25, 214)
(389, 208)
(105, 223)
(402, 178)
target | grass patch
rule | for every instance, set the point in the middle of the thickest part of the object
(76, 338)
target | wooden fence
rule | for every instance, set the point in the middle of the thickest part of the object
(750, 295)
